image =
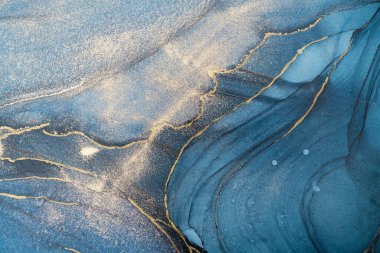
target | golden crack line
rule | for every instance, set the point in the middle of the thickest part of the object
(320, 91)
(154, 223)
(266, 37)
(43, 96)
(34, 178)
(22, 130)
(287, 65)
(155, 129)
(23, 197)
(49, 162)
(110, 147)
(220, 117)
(71, 250)
(6, 128)
(163, 222)
(57, 179)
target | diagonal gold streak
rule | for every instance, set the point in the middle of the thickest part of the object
(48, 162)
(71, 250)
(42, 96)
(159, 227)
(23, 197)
(34, 178)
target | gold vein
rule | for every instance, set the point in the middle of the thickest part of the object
(71, 250)
(43, 96)
(22, 197)
(163, 222)
(158, 226)
(315, 99)
(91, 140)
(246, 57)
(6, 128)
(48, 162)
(34, 178)
(21, 130)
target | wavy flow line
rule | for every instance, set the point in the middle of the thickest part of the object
(34, 178)
(8, 159)
(110, 147)
(158, 226)
(21, 130)
(220, 117)
(23, 197)
(320, 91)
(246, 57)
(43, 96)
(71, 250)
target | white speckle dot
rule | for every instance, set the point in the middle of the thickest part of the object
(88, 151)
(274, 162)
(316, 188)
(305, 151)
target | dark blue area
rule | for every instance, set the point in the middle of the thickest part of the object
(253, 183)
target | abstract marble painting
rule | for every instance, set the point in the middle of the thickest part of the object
(190, 126)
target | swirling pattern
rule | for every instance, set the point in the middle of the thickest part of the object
(189, 126)
(294, 168)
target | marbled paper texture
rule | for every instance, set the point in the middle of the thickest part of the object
(189, 126)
